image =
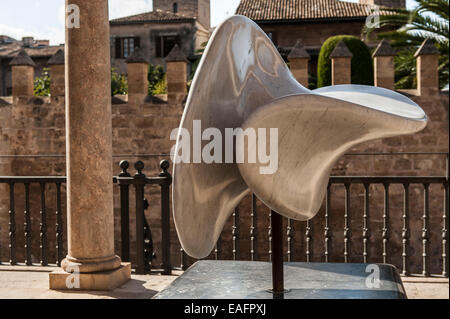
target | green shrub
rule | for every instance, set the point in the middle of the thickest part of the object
(156, 81)
(42, 84)
(119, 83)
(362, 63)
(160, 87)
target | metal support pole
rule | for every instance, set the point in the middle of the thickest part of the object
(277, 253)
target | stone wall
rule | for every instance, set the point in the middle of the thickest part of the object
(142, 125)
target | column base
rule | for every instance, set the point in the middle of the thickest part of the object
(100, 281)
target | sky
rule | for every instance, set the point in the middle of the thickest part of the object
(44, 19)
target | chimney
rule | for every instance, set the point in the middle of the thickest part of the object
(28, 42)
(341, 64)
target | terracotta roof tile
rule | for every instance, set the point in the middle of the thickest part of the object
(156, 16)
(281, 10)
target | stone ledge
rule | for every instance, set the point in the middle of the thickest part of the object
(99, 281)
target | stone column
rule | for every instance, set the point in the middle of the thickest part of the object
(90, 220)
(427, 57)
(137, 76)
(299, 60)
(57, 75)
(341, 64)
(22, 76)
(176, 75)
(383, 61)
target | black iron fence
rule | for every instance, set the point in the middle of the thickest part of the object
(330, 233)
(144, 240)
(343, 238)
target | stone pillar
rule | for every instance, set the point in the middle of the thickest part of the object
(341, 64)
(299, 60)
(427, 57)
(57, 74)
(383, 61)
(176, 75)
(137, 76)
(90, 220)
(22, 76)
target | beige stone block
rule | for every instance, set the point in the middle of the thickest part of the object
(384, 72)
(341, 70)
(299, 68)
(98, 281)
(57, 79)
(427, 74)
(137, 78)
(22, 81)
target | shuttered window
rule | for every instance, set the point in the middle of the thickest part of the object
(125, 46)
(164, 44)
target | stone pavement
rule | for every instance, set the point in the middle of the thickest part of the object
(20, 282)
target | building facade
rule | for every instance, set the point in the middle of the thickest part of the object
(40, 52)
(183, 23)
(311, 21)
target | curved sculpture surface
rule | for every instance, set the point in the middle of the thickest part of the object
(242, 82)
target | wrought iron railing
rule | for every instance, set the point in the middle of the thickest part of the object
(13, 183)
(230, 243)
(329, 232)
(144, 241)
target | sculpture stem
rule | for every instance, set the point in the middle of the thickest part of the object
(277, 253)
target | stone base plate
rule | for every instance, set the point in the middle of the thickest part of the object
(100, 281)
(252, 280)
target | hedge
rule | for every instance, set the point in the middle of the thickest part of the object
(362, 63)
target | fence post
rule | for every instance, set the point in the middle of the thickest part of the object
(137, 76)
(427, 60)
(165, 218)
(383, 60)
(125, 212)
(22, 75)
(139, 184)
(341, 64)
(299, 60)
(176, 76)
(57, 75)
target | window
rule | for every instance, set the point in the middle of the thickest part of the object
(164, 44)
(125, 46)
(175, 7)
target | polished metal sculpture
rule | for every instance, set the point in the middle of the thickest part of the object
(242, 82)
